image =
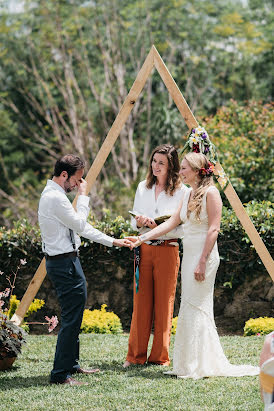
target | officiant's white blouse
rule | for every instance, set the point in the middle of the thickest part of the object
(146, 204)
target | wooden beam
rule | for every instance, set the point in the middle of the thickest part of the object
(174, 91)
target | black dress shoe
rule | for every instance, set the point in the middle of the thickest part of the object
(88, 371)
(70, 381)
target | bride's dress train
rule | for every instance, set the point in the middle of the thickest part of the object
(197, 349)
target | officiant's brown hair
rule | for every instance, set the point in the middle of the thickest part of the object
(173, 177)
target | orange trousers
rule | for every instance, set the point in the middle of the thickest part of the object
(154, 301)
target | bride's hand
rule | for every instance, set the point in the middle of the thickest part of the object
(199, 272)
(135, 241)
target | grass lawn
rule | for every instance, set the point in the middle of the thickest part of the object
(26, 385)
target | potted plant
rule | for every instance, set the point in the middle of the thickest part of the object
(11, 339)
(12, 336)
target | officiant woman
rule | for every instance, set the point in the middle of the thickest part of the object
(157, 261)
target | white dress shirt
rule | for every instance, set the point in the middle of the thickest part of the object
(56, 216)
(146, 204)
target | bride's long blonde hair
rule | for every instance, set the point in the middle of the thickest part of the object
(198, 161)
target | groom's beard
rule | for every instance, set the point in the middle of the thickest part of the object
(67, 186)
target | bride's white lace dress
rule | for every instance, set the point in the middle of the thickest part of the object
(197, 349)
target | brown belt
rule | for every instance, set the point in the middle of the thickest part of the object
(65, 255)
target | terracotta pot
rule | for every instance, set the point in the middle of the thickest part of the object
(6, 363)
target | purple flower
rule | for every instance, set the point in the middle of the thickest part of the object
(206, 150)
(204, 136)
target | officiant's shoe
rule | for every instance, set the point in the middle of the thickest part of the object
(70, 381)
(87, 371)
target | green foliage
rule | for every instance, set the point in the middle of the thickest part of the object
(117, 227)
(66, 69)
(101, 322)
(243, 136)
(239, 259)
(261, 325)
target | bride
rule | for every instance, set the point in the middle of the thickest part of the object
(197, 349)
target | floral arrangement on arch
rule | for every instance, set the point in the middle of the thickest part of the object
(199, 142)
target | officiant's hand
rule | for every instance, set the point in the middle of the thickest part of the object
(143, 221)
(199, 272)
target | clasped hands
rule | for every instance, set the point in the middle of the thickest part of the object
(130, 242)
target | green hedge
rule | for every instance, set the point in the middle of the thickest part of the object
(238, 256)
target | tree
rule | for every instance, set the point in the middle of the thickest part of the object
(66, 68)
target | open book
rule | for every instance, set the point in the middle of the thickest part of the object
(158, 220)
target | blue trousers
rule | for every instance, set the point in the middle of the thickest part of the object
(69, 281)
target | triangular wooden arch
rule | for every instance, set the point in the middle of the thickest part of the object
(153, 60)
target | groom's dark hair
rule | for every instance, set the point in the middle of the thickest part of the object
(69, 163)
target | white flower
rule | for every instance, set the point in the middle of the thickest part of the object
(23, 262)
(199, 130)
(193, 140)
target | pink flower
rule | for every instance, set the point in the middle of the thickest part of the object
(52, 322)
(2, 303)
(258, 334)
(23, 262)
(1, 272)
(6, 292)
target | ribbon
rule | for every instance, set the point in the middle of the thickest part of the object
(136, 267)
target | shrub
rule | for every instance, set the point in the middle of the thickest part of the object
(117, 227)
(239, 259)
(101, 322)
(261, 325)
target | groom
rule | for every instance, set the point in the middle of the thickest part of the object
(59, 223)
